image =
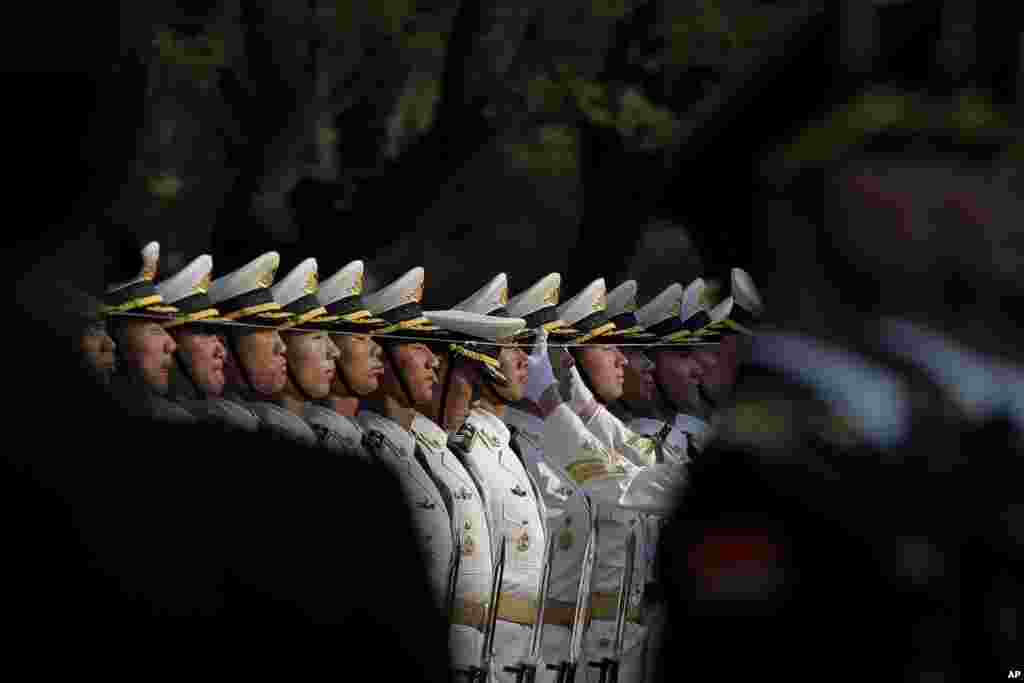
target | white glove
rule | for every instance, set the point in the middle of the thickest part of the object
(580, 398)
(542, 375)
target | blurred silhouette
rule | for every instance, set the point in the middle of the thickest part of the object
(114, 517)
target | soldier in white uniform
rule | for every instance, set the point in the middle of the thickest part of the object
(537, 305)
(445, 501)
(644, 407)
(490, 451)
(733, 321)
(311, 352)
(618, 487)
(257, 364)
(358, 367)
(134, 310)
(198, 331)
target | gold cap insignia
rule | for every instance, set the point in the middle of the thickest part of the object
(203, 286)
(416, 295)
(311, 283)
(551, 298)
(600, 302)
(267, 279)
(503, 296)
(631, 306)
(676, 308)
(357, 286)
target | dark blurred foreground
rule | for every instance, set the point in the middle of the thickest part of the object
(109, 518)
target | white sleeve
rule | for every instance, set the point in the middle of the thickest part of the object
(614, 435)
(605, 474)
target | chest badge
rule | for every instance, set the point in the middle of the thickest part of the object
(519, 491)
(523, 542)
(464, 494)
(566, 537)
(468, 544)
(426, 504)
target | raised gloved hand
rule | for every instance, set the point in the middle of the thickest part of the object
(577, 394)
(542, 375)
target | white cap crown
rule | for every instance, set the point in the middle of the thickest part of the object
(488, 298)
(257, 274)
(345, 283)
(591, 300)
(541, 294)
(191, 280)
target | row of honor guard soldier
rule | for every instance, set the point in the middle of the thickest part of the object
(422, 396)
(291, 384)
(586, 478)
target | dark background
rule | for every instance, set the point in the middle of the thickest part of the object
(99, 114)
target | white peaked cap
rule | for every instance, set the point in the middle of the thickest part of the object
(191, 280)
(299, 282)
(694, 299)
(150, 261)
(622, 299)
(488, 298)
(345, 283)
(296, 292)
(257, 274)
(406, 289)
(541, 294)
(245, 293)
(721, 311)
(485, 327)
(745, 293)
(590, 300)
(662, 307)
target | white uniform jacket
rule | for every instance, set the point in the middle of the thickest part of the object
(337, 433)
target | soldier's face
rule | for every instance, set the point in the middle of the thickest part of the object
(459, 401)
(718, 367)
(679, 372)
(361, 362)
(263, 354)
(605, 366)
(97, 348)
(311, 356)
(146, 348)
(418, 366)
(203, 351)
(515, 366)
(638, 384)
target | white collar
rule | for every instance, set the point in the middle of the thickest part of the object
(479, 417)
(690, 424)
(524, 420)
(648, 426)
(429, 432)
(401, 437)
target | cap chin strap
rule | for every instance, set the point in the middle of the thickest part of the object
(586, 377)
(663, 393)
(297, 385)
(491, 385)
(344, 380)
(706, 397)
(445, 386)
(389, 351)
(183, 367)
(249, 386)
